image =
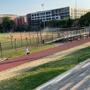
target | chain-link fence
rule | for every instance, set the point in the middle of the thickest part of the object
(34, 39)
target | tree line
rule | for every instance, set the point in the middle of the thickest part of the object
(80, 22)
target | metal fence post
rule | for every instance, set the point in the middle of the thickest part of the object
(52, 34)
(21, 38)
(47, 35)
(27, 41)
(11, 39)
(1, 49)
(30, 37)
(15, 46)
(37, 38)
(41, 36)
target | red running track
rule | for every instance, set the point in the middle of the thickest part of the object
(33, 56)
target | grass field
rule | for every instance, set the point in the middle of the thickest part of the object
(41, 74)
(13, 42)
(29, 35)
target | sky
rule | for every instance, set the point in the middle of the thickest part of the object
(23, 7)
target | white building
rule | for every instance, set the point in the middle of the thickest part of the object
(77, 12)
(35, 18)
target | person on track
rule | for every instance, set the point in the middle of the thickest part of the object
(27, 52)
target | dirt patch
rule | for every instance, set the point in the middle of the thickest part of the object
(23, 36)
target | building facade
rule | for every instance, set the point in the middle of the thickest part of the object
(34, 19)
(21, 20)
(77, 12)
(12, 17)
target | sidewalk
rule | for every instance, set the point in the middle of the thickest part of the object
(20, 64)
(77, 78)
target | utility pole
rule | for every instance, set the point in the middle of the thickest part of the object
(76, 14)
(43, 11)
(75, 9)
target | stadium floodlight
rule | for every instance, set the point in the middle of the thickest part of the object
(43, 11)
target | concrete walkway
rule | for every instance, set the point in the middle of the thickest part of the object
(27, 64)
(77, 78)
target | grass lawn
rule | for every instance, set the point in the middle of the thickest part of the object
(18, 41)
(41, 74)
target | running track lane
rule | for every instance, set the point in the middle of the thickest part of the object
(34, 56)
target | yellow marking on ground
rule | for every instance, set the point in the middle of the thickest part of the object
(81, 82)
(66, 86)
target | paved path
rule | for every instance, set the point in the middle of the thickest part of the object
(77, 78)
(37, 55)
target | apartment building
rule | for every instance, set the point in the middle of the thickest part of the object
(20, 20)
(34, 19)
(77, 12)
(12, 17)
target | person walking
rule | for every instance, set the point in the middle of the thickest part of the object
(27, 52)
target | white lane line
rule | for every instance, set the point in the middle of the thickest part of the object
(66, 86)
(86, 65)
(80, 83)
(60, 78)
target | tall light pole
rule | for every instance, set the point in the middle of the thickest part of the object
(43, 11)
(75, 9)
(76, 14)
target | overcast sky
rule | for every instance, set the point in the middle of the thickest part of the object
(23, 7)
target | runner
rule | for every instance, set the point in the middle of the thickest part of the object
(27, 52)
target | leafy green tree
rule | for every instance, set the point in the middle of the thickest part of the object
(63, 23)
(84, 20)
(69, 22)
(8, 24)
(59, 23)
(28, 28)
(18, 28)
(23, 28)
(1, 28)
(86, 23)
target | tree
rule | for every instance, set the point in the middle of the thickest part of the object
(28, 28)
(8, 23)
(23, 28)
(84, 20)
(69, 22)
(1, 28)
(18, 28)
(59, 23)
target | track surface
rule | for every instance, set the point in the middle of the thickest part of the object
(34, 56)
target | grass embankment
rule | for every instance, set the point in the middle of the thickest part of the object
(41, 74)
